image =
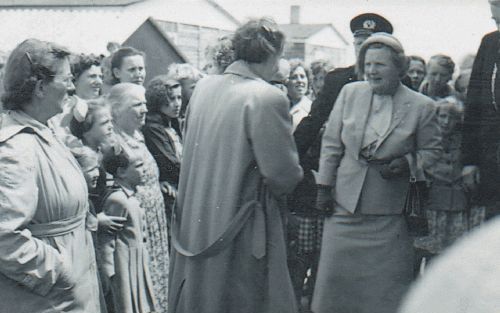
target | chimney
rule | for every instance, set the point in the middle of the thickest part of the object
(295, 14)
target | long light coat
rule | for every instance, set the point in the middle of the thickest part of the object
(238, 131)
(42, 184)
(414, 133)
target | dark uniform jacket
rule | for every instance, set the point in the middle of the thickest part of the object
(481, 130)
(308, 137)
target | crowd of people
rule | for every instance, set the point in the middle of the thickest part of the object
(256, 184)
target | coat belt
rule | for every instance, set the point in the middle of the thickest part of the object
(57, 228)
(248, 209)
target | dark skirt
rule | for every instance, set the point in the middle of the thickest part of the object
(366, 264)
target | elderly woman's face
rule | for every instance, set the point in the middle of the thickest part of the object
(133, 112)
(132, 70)
(380, 71)
(437, 75)
(297, 83)
(416, 72)
(56, 91)
(88, 84)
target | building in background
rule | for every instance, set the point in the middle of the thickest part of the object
(310, 42)
(169, 30)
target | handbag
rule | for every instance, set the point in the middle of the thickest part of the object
(413, 208)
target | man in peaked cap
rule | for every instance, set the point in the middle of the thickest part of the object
(308, 137)
(362, 26)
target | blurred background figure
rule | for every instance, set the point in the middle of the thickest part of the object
(439, 72)
(416, 71)
(447, 208)
(280, 78)
(319, 69)
(298, 86)
(187, 75)
(219, 56)
(462, 84)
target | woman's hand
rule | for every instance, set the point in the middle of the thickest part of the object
(324, 200)
(396, 168)
(109, 223)
(168, 189)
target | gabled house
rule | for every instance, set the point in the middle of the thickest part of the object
(183, 27)
(310, 42)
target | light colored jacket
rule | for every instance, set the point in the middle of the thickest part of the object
(238, 130)
(413, 133)
(47, 263)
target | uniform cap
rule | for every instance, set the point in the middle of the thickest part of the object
(369, 23)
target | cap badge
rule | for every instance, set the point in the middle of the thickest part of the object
(369, 24)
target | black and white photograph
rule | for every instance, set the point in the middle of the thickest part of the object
(249, 156)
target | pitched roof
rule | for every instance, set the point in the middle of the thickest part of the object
(65, 3)
(301, 31)
(304, 31)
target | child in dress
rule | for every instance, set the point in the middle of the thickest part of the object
(124, 258)
(447, 209)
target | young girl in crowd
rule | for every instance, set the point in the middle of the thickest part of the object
(124, 257)
(448, 212)
(91, 126)
(89, 164)
(89, 160)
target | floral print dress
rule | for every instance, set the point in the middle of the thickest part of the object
(151, 199)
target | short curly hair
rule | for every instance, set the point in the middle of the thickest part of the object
(82, 62)
(222, 53)
(183, 71)
(257, 40)
(159, 92)
(31, 61)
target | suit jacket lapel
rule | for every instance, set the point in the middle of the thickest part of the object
(362, 108)
(401, 108)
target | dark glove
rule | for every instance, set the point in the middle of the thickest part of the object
(324, 200)
(396, 168)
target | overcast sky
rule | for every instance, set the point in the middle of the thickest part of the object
(425, 27)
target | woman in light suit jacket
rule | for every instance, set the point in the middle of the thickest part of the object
(377, 129)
